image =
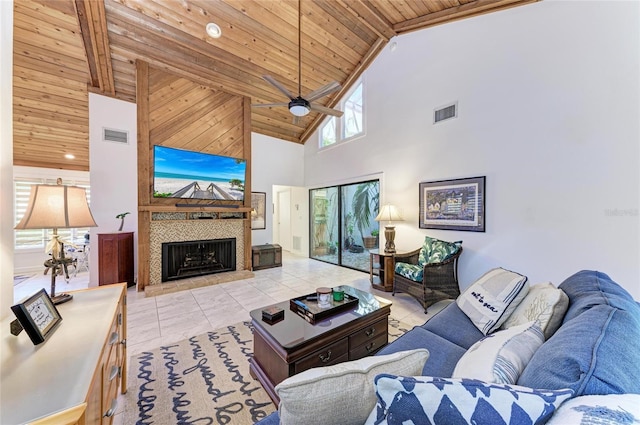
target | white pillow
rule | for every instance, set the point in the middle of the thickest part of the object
(491, 299)
(544, 303)
(502, 356)
(343, 393)
(611, 409)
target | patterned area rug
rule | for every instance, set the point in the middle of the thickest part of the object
(202, 380)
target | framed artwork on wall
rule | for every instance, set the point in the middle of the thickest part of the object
(37, 316)
(258, 210)
(453, 204)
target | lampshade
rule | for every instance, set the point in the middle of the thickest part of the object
(389, 212)
(57, 207)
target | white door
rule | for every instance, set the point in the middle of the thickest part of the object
(284, 219)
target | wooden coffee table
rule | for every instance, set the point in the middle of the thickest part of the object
(293, 345)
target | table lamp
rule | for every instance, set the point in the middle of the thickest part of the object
(57, 207)
(389, 213)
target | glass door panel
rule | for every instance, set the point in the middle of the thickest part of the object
(359, 209)
(324, 224)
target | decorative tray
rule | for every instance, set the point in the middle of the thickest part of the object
(307, 307)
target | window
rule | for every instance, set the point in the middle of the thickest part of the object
(38, 238)
(352, 122)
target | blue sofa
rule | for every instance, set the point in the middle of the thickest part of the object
(596, 350)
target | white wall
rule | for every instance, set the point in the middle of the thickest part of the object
(6, 157)
(276, 162)
(114, 172)
(548, 98)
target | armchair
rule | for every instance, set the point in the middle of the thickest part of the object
(430, 273)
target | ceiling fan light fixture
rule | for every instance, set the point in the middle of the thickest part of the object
(299, 107)
(213, 30)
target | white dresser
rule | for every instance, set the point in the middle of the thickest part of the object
(74, 377)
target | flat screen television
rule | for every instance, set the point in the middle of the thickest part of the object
(184, 174)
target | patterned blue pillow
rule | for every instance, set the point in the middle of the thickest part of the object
(436, 251)
(425, 400)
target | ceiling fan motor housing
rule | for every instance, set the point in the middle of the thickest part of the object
(299, 107)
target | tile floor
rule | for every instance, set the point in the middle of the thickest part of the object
(167, 318)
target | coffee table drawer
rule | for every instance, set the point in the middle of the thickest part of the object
(368, 348)
(369, 333)
(335, 353)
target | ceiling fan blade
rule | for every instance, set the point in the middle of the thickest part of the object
(268, 105)
(323, 91)
(279, 86)
(325, 110)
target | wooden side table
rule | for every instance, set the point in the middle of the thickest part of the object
(381, 270)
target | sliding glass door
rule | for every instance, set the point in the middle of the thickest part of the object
(343, 226)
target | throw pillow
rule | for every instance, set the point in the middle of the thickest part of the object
(611, 409)
(436, 251)
(544, 303)
(342, 393)
(491, 299)
(427, 400)
(502, 356)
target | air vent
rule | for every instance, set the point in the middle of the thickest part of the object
(445, 113)
(118, 136)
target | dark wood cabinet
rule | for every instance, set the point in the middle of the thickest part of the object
(115, 258)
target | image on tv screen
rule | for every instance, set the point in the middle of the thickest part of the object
(185, 174)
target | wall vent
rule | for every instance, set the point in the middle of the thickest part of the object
(445, 113)
(297, 243)
(118, 136)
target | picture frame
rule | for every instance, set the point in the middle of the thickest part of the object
(258, 210)
(38, 316)
(457, 204)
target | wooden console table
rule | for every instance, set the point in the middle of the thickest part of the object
(74, 377)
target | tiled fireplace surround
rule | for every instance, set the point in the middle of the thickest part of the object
(174, 227)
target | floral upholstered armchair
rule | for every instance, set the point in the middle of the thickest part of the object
(430, 273)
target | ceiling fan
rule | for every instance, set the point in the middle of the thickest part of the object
(298, 105)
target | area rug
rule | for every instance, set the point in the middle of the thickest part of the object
(202, 380)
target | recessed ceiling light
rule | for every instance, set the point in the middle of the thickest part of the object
(69, 156)
(213, 30)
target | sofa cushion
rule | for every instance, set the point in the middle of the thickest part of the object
(595, 353)
(453, 325)
(436, 251)
(611, 409)
(410, 271)
(501, 356)
(544, 303)
(443, 354)
(427, 400)
(588, 288)
(342, 393)
(491, 299)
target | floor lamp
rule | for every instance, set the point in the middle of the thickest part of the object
(57, 207)
(389, 213)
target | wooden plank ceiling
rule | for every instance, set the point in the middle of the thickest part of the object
(65, 48)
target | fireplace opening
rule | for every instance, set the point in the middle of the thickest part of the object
(196, 258)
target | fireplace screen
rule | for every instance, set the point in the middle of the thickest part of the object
(196, 258)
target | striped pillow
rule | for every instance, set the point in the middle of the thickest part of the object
(491, 299)
(502, 356)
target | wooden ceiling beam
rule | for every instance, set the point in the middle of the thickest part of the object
(93, 27)
(462, 11)
(370, 17)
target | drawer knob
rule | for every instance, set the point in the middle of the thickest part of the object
(370, 347)
(369, 332)
(115, 371)
(124, 342)
(325, 357)
(112, 410)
